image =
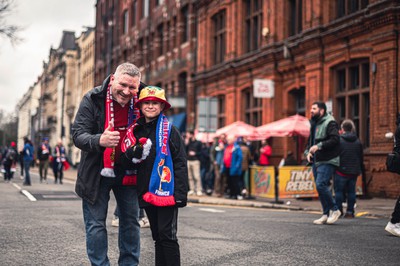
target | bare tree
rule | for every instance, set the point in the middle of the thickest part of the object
(6, 30)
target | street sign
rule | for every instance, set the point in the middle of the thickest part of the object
(263, 88)
(207, 110)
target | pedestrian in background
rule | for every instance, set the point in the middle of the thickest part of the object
(245, 166)
(156, 146)
(43, 156)
(217, 158)
(27, 152)
(323, 151)
(233, 166)
(206, 181)
(59, 159)
(265, 153)
(350, 167)
(10, 158)
(193, 149)
(393, 225)
(101, 121)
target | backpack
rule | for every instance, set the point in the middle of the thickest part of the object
(11, 155)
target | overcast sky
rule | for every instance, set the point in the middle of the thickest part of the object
(43, 22)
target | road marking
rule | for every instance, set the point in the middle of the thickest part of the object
(210, 210)
(28, 195)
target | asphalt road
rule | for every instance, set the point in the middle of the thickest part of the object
(50, 231)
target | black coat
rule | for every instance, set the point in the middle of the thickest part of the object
(86, 131)
(144, 169)
(351, 155)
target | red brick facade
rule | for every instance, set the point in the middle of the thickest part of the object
(346, 55)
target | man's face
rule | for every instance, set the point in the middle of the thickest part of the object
(124, 87)
(151, 109)
(316, 112)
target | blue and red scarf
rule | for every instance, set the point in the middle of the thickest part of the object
(161, 186)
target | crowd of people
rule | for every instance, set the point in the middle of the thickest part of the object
(45, 157)
(221, 168)
(129, 147)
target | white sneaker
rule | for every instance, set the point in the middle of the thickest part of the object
(115, 222)
(321, 220)
(199, 193)
(144, 222)
(333, 217)
(394, 229)
(191, 192)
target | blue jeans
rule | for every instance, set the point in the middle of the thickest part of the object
(27, 165)
(348, 185)
(129, 229)
(322, 175)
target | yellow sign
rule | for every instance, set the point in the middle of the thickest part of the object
(294, 182)
(262, 180)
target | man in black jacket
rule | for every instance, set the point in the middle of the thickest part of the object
(102, 119)
(350, 167)
(157, 151)
(323, 152)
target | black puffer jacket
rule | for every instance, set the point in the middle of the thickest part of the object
(86, 131)
(144, 169)
(351, 155)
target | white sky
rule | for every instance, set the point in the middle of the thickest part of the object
(43, 22)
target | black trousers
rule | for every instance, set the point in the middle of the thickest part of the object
(164, 226)
(396, 213)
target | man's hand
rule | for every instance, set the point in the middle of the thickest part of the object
(109, 138)
(311, 152)
(313, 149)
(309, 157)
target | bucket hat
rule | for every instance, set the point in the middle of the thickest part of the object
(153, 93)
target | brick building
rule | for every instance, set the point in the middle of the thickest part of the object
(343, 52)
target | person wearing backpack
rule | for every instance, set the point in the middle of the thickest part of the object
(10, 158)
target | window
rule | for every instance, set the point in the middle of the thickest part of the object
(133, 12)
(252, 108)
(145, 8)
(160, 30)
(185, 24)
(295, 17)
(219, 36)
(297, 99)
(352, 96)
(159, 2)
(346, 7)
(253, 25)
(182, 84)
(221, 111)
(125, 19)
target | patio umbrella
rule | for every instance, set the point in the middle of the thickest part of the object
(205, 137)
(238, 129)
(295, 125)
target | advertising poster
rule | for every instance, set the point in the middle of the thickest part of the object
(262, 181)
(294, 182)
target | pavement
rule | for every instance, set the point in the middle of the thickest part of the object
(365, 207)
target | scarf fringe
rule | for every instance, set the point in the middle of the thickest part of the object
(160, 201)
(107, 172)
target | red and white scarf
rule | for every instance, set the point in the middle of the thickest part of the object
(109, 153)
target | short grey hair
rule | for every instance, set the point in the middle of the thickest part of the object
(128, 69)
